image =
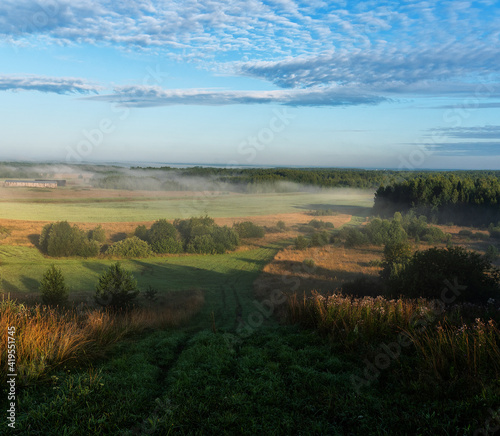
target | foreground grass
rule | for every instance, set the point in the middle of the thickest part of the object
(279, 381)
(458, 345)
(47, 338)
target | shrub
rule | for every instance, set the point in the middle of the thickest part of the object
(97, 234)
(151, 293)
(310, 263)
(52, 287)
(141, 232)
(61, 240)
(377, 231)
(355, 237)
(248, 229)
(202, 244)
(196, 226)
(319, 239)
(435, 234)
(164, 238)
(301, 243)
(281, 226)
(440, 273)
(89, 249)
(130, 247)
(224, 239)
(491, 253)
(117, 288)
(465, 233)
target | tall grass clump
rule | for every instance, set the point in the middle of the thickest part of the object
(46, 337)
(352, 320)
(468, 350)
(445, 342)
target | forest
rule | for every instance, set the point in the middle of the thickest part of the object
(444, 198)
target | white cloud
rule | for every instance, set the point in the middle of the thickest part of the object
(151, 96)
(58, 85)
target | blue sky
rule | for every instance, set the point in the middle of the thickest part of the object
(408, 84)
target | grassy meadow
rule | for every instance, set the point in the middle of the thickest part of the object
(217, 352)
(117, 208)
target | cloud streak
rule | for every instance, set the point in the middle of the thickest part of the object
(57, 85)
(477, 141)
(152, 96)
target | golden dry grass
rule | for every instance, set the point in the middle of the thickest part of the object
(333, 267)
(25, 233)
(46, 337)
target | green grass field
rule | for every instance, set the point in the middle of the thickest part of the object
(121, 210)
(226, 279)
(197, 380)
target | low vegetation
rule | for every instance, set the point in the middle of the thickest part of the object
(47, 338)
(60, 239)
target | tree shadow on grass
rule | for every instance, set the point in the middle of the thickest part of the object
(29, 283)
(9, 287)
(34, 238)
(117, 237)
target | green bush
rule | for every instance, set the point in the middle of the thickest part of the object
(141, 232)
(195, 226)
(301, 243)
(377, 231)
(202, 244)
(319, 239)
(224, 239)
(164, 237)
(435, 234)
(491, 253)
(117, 288)
(97, 234)
(52, 287)
(465, 233)
(355, 237)
(449, 275)
(129, 248)
(60, 239)
(248, 229)
(281, 226)
(310, 263)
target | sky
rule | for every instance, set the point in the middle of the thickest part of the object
(372, 84)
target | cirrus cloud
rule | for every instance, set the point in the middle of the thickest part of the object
(57, 85)
(151, 96)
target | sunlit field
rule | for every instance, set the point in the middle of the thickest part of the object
(116, 208)
(266, 338)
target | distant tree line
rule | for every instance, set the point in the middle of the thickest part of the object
(443, 198)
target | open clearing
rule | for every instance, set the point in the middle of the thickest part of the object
(152, 207)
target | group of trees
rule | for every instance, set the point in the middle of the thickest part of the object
(383, 231)
(116, 289)
(450, 275)
(194, 235)
(62, 240)
(464, 200)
